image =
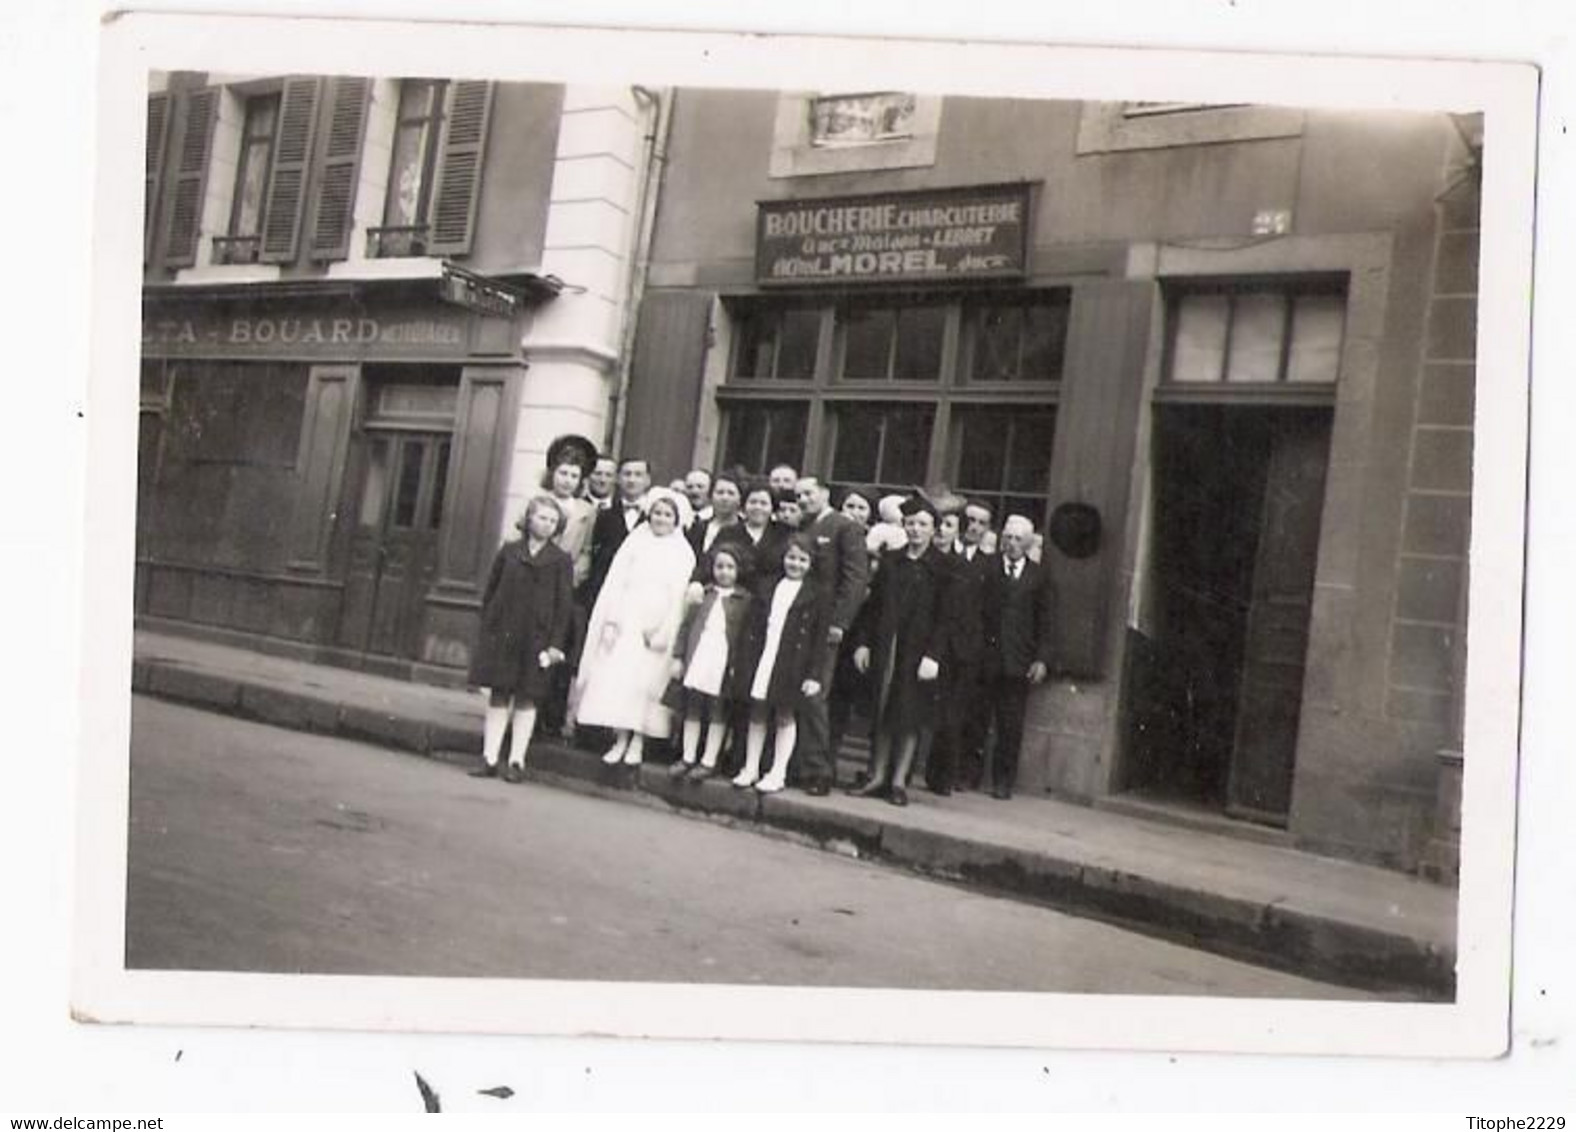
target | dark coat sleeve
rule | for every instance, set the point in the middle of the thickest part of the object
(494, 575)
(563, 603)
(936, 631)
(681, 639)
(853, 575)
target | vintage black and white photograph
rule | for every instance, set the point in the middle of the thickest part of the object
(830, 534)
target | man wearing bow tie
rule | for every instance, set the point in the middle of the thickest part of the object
(1017, 645)
(613, 524)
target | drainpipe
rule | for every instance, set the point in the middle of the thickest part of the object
(658, 109)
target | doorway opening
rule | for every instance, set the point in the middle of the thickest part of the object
(396, 507)
(1215, 688)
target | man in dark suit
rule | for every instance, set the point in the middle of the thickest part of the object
(840, 566)
(1016, 645)
(956, 757)
(614, 523)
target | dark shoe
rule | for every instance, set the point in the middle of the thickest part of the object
(679, 768)
(700, 772)
(514, 775)
(861, 780)
(484, 770)
(1002, 793)
(898, 797)
(941, 791)
(870, 790)
(819, 789)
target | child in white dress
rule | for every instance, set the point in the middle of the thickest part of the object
(704, 656)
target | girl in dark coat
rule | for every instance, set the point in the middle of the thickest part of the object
(786, 662)
(526, 610)
(907, 619)
(705, 658)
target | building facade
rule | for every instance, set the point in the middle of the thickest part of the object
(1239, 338)
(369, 306)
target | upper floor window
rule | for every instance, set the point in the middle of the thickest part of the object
(417, 136)
(860, 119)
(1150, 109)
(1257, 334)
(440, 134)
(243, 238)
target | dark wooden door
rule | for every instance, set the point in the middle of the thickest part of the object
(394, 545)
(1275, 646)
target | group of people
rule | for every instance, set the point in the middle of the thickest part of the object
(760, 615)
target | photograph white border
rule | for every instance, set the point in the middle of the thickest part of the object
(1475, 1025)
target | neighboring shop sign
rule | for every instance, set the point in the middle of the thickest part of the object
(945, 234)
(199, 331)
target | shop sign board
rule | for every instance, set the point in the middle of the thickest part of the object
(938, 235)
(201, 331)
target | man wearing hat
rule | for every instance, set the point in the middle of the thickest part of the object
(839, 565)
(1016, 652)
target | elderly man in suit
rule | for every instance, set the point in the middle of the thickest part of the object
(1017, 645)
(840, 566)
(955, 760)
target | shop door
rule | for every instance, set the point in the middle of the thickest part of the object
(394, 546)
(1276, 647)
(1216, 694)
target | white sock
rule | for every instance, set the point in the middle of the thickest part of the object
(754, 745)
(520, 737)
(715, 732)
(634, 753)
(782, 749)
(494, 724)
(691, 740)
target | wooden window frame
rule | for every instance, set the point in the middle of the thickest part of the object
(827, 389)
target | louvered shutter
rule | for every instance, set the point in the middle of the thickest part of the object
(336, 195)
(191, 178)
(158, 132)
(287, 179)
(460, 173)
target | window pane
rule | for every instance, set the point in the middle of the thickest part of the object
(1318, 322)
(905, 448)
(861, 118)
(746, 438)
(754, 357)
(403, 207)
(1029, 461)
(376, 487)
(982, 453)
(1034, 508)
(858, 443)
(797, 335)
(1257, 323)
(786, 426)
(249, 190)
(1044, 340)
(411, 453)
(997, 333)
(919, 334)
(867, 349)
(1200, 338)
(440, 483)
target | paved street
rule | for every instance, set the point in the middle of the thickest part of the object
(266, 850)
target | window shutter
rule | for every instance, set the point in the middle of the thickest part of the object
(191, 178)
(460, 174)
(158, 132)
(336, 195)
(287, 179)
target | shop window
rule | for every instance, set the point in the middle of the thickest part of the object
(885, 446)
(1256, 335)
(862, 119)
(1003, 457)
(243, 242)
(758, 436)
(892, 343)
(777, 343)
(407, 209)
(1017, 339)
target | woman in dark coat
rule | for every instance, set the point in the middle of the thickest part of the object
(525, 618)
(786, 660)
(898, 647)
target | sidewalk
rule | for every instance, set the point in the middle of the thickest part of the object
(1315, 916)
